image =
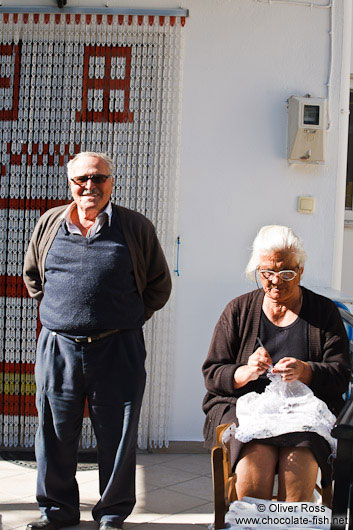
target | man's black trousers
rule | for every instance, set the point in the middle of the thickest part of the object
(111, 374)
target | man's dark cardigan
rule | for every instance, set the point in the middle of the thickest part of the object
(150, 267)
(234, 341)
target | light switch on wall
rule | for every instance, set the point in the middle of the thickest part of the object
(306, 204)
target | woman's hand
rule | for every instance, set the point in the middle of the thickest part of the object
(292, 369)
(257, 365)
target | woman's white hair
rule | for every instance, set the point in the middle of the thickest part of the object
(103, 156)
(274, 238)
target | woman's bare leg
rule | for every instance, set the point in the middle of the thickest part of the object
(297, 472)
(255, 471)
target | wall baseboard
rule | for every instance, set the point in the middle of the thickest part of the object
(181, 447)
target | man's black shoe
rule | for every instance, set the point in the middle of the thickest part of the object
(106, 525)
(43, 523)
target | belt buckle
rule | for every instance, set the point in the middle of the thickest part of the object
(84, 339)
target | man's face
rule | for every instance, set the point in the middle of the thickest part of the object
(90, 196)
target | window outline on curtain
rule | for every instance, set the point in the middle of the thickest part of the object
(40, 128)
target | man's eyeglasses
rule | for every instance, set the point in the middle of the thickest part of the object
(286, 275)
(96, 179)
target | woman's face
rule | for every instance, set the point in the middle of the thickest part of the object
(276, 288)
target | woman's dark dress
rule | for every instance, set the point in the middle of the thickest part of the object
(291, 341)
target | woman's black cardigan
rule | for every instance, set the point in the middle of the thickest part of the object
(234, 341)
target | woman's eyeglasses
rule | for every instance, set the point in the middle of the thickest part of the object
(96, 179)
(286, 275)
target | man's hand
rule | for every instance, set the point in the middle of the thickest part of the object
(257, 365)
(292, 369)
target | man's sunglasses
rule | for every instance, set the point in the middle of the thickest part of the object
(96, 179)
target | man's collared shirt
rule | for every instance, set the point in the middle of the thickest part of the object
(102, 217)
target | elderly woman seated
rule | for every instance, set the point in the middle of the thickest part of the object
(298, 332)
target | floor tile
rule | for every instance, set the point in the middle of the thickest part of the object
(87, 476)
(188, 519)
(87, 522)
(142, 487)
(200, 486)
(199, 464)
(17, 514)
(21, 485)
(165, 501)
(89, 493)
(162, 475)
(13, 470)
(140, 517)
(7, 498)
(202, 515)
(172, 493)
(204, 509)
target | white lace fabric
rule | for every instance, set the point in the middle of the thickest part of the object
(282, 408)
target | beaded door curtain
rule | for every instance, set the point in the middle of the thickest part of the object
(70, 83)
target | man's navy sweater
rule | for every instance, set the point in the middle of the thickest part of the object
(90, 284)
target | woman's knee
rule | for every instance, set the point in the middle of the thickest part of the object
(293, 458)
(255, 470)
(297, 473)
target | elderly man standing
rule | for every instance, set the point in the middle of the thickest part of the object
(99, 272)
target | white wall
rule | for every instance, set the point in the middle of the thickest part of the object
(347, 268)
(243, 59)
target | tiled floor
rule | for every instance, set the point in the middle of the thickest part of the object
(174, 492)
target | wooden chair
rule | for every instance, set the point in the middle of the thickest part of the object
(224, 480)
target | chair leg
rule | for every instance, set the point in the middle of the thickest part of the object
(218, 487)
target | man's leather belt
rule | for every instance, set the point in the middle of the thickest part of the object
(100, 336)
(93, 338)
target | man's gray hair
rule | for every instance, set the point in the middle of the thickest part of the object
(103, 156)
(274, 238)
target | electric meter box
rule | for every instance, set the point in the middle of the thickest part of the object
(306, 130)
